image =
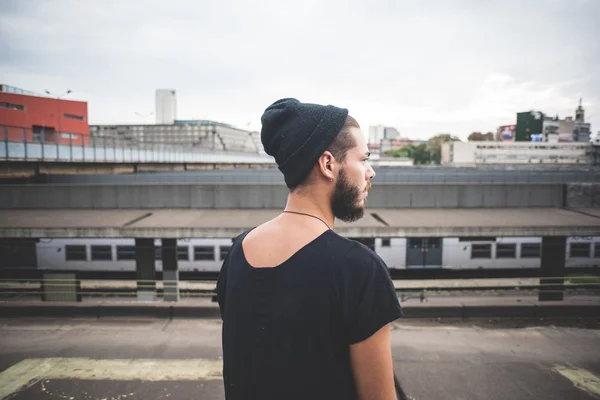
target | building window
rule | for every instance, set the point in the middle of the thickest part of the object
(125, 253)
(183, 253)
(206, 253)
(506, 250)
(12, 106)
(530, 250)
(101, 253)
(223, 250)
(75, 117)
(481, 251)
(580, 250)
(386, 242)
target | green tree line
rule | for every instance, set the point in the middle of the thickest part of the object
(431, 152)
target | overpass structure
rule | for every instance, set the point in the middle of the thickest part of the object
(110, 156)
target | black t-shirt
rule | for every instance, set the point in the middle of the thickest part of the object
(287, 330)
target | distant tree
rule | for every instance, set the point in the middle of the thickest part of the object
(405, 151)
(421, 154)
(475, 137)
(435, 146)
(443, 138)
(478, 137)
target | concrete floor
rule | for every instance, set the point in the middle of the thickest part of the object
(180, 359)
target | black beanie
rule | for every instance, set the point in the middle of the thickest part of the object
(296, 134)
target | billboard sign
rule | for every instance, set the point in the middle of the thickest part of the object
(505, 133)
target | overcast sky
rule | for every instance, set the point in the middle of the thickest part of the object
(424, 67)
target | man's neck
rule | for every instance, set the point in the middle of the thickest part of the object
(311, 204)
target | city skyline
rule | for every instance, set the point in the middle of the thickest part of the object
(424, 69)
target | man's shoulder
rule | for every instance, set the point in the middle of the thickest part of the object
(353, 252)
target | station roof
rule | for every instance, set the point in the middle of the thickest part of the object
(228, 223)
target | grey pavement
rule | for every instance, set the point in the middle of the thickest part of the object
(142, 358)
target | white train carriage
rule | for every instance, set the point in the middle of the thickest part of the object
(202, 255)
(207, 255)
(481, 252)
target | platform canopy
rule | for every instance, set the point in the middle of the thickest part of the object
(228, 223)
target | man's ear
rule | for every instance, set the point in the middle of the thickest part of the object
(327, 165)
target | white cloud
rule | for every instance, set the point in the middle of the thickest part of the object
(425, 67)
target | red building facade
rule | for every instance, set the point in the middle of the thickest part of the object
(42, 119)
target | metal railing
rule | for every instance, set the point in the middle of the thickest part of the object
(23, 144)
(19, 288)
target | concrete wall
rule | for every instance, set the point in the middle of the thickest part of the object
(271, 196)
(583, 195)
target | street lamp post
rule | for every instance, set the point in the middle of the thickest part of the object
(58, 107)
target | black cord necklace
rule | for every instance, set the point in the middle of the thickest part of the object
(308, 215)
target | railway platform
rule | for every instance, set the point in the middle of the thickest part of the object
(151, 359)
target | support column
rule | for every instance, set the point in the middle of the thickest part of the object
(552, 268)
(170, 270)
(145, 269)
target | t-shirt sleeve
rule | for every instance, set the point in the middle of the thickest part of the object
(221, 288)
(370, 298)
(222, 279)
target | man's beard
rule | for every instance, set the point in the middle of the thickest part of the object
(344, 202)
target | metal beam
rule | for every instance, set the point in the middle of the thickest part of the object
(365, 232)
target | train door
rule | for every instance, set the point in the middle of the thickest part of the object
(424, 253)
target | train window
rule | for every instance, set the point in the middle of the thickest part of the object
(580, 250)
(385, 242)
(183, 253)
(101, 253)
(506, 250)
(158, 253)
(223, 250)
(204, 253)
(75, 252)
(434, 243)
(481, 251)
(597, 250)
(125, 253)
(415, 243)
(530, 250)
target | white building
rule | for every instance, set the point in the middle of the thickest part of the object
(483, 153)
(166, 106)
(583, 130)
(379, 132)
(376, 134)
(194, 134)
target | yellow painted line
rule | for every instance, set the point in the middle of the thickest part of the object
(20, 376)
(28, 372)
(581, 378)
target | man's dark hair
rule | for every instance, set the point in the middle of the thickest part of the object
(340, 145)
